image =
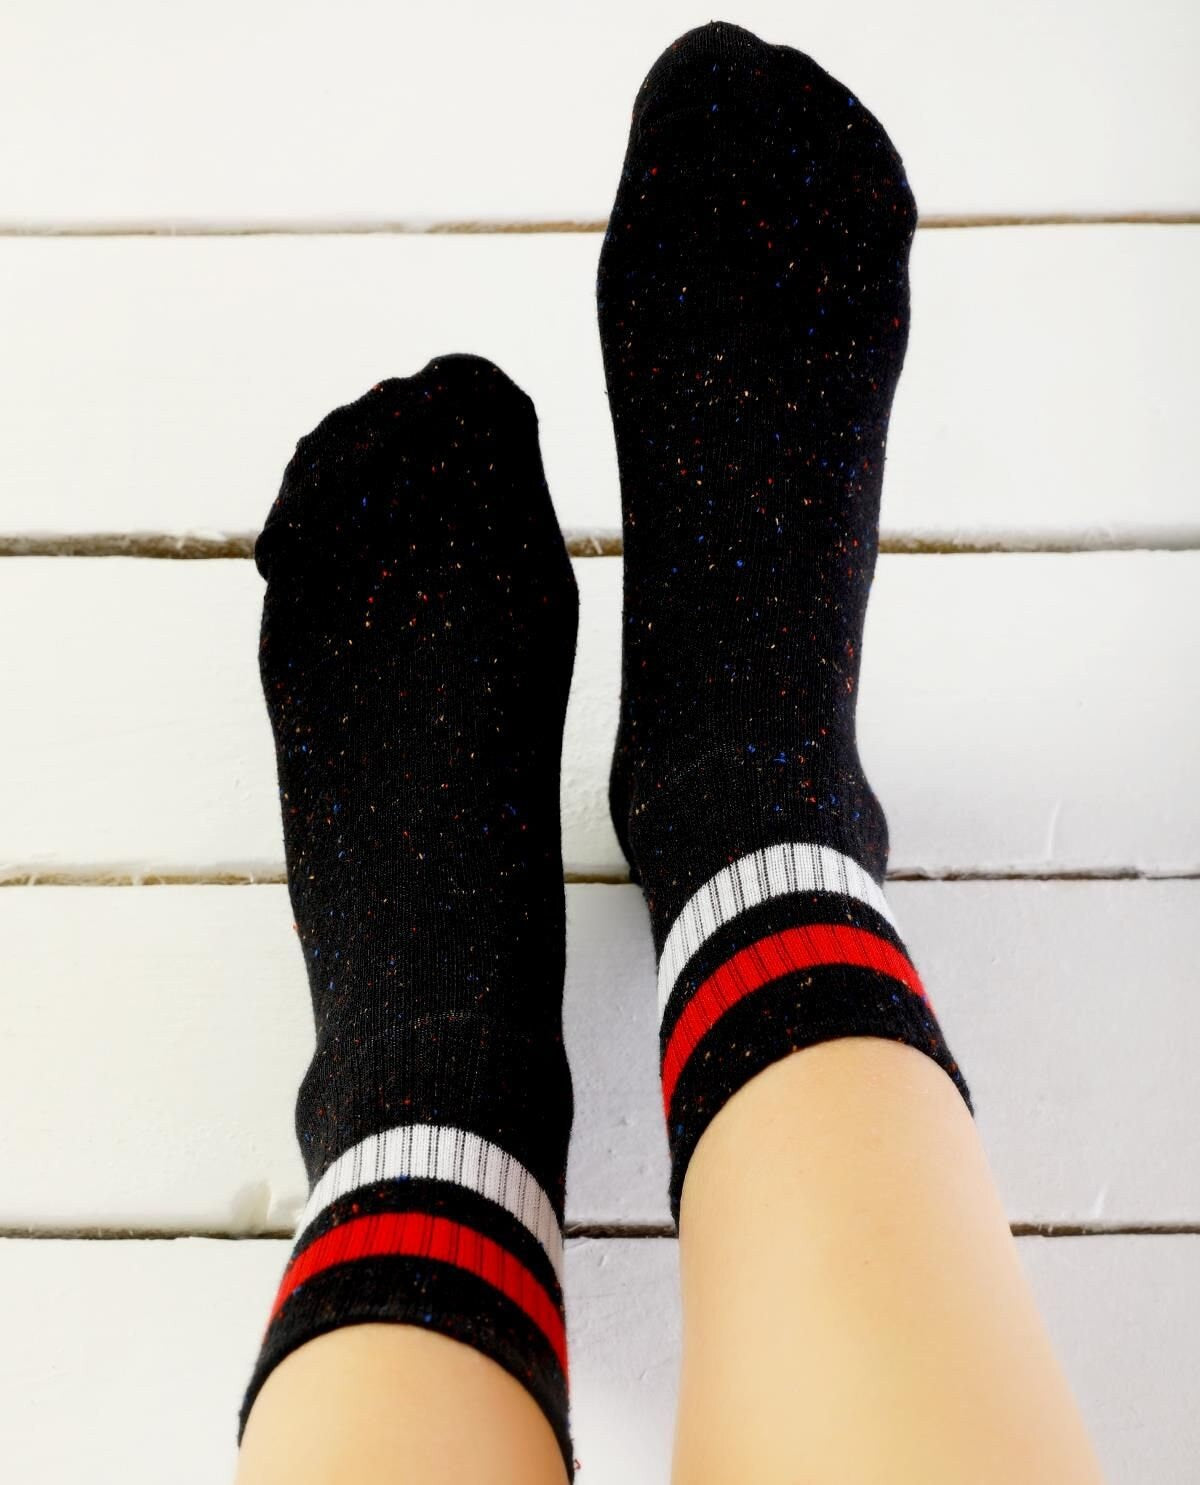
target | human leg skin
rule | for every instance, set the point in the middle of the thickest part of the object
(854, 1307)
(391, 1403)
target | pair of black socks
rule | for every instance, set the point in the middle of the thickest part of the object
(416, 651)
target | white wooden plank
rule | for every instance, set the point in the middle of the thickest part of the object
(157, 387)
(174, 1023)
(1020, 713)
(265, 112)
(145, 1348)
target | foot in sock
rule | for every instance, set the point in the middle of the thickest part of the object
(418, 634)
(753, 301)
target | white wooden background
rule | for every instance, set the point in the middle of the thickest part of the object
(215, 224)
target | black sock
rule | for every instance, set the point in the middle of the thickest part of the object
(418, 635)
(753, 299)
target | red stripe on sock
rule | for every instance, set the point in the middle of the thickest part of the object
(419, 1235)
(758, 964)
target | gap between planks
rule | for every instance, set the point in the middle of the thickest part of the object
(318, 227)
(194, 548)
(652, 1231)
(97, 876)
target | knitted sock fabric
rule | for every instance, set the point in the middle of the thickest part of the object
(418, 634)
(753, 300)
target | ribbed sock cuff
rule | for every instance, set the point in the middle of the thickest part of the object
(786, 947)
(437, 1228)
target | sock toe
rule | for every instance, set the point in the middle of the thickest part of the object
(459, 438)
(721, 66)
(720, 69)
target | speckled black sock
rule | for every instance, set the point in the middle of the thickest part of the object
(753, 298)
(418, 634)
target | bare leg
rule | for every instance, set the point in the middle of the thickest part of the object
(394, 1403)
(854, 1310)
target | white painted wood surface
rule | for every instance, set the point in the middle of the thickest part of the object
(173, 1024)
(260, 111)
(1019, 713)
(125, 1362)
(158, 387)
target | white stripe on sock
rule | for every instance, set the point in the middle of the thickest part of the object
(793, 866)
(441, 1153)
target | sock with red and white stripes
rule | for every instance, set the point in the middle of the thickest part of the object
(753, 300)
(417, 640)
